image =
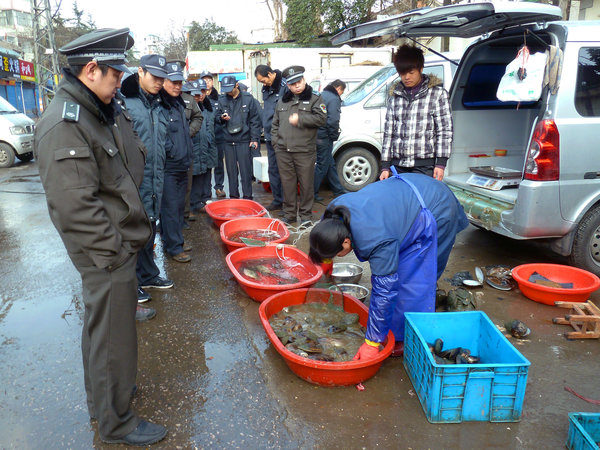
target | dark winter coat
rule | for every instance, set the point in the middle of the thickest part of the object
(333, 103)
(151, 126)
(192, 113)
(179, 143)
(87, 155)
(214, 101)
(312, 114)
(244, 111)
(205, 146)
(271, 95)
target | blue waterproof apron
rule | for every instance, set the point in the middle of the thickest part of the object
(417, 267)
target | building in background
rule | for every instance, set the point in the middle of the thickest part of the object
(17, 75)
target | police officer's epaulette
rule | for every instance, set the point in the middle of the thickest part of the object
(71, 112)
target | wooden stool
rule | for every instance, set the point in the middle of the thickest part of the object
(585, 320)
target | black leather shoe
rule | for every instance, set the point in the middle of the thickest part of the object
(274, 206)
(146, 433)
(143, 296)
(142, 314)
(158, 283)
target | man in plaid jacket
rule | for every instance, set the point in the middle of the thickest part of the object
(417, 135)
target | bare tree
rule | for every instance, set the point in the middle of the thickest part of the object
(276, 11)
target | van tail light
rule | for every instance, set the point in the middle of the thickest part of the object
(543, 162)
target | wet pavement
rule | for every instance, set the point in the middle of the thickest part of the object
(207, 371)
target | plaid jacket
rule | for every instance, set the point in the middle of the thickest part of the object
(419, 129)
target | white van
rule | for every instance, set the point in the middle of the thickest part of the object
(351, 75)
(16, 135)
(540, 174)
(358, 149)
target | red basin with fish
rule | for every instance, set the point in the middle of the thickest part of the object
(321, 372)
(232, 227)
(584, 283)
(304, 272)
(220, 211)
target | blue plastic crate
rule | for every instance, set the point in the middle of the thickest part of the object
(492, 390)
(584, 431)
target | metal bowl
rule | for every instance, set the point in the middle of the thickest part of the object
(355, 290)
(346, 273)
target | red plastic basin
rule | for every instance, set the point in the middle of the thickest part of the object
(260, 292)
(321, 372)
(252, 223)
(584, 283)
(221, 211)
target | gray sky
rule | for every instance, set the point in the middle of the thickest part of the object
(158, 16)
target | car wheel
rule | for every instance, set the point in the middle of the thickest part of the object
(7, 155)
(585, 253)
(25, 157)
(356, 168)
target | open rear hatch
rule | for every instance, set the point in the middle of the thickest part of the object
(461, 20)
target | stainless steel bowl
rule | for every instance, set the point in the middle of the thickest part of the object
(346, 273)
(355, 290)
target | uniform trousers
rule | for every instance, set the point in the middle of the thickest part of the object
(219, 171)
(171, 211)
(325, 168)
(109, 343)
(297, 168)
(200, 191)
(146, 269)
(238, 162)
(274, 178)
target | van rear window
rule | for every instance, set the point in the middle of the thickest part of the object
(587, 91)
(482, 85)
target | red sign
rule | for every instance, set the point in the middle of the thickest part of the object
(26, 70)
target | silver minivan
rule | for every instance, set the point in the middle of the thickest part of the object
(358, 149)
(525, 170)
(16, 135)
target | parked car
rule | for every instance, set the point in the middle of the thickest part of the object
(16, 135)
(358, 149)
(551, 143)
(351, 75)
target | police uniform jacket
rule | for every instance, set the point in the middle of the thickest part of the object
(312, 114)
(244, 111)
(179, 143)
(214, 101)
(205, 146)
(333, 103)
(84, 149)
(151, 127)
(271, 95)
(193, 113)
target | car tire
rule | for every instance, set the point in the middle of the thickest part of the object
(25, 157)
(7, 155)
(585, 253)
(356, 167)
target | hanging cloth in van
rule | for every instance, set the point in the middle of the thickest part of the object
(553, 68)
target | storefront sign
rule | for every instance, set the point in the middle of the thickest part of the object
(17, 68)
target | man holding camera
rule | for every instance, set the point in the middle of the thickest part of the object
(241, 122)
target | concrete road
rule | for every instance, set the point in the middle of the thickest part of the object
(208, 372)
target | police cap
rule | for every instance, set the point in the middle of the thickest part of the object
(228, 83)
(197, 86)
(175, 71)
(155, 64)
(107, 46)
(292, 74)
(205, 74)
(187, 87)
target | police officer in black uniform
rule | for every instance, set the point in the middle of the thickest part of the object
(91, 164)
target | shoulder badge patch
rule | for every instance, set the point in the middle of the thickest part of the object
(71, 112)
(323, 107)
